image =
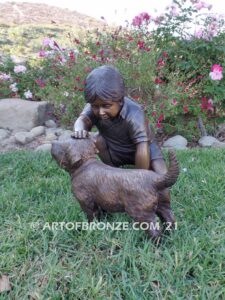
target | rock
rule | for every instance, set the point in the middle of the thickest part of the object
(44, 147)
(50, 137)
(50, 124)
(18, 114)
(39, 130)
(56, 131)
(24, 137)
(176, 142)
(8, 141)
(220, 133)
(218, 144)
(4, 134)
(65, 135)
(207, 141)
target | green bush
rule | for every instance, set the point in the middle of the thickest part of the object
(172, 64)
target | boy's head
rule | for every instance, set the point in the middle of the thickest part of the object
(105, 83)
(104, 90)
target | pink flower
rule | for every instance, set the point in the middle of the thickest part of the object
(20, 69)
(217, 68)
(199, 33)
(47, 42)
(157, 20)
(158, 124)
(140, 19)
(42, 53)
(174, 102)
(207, 104)
(145, 16)
(72, 56)
(201, 4)
(137, 21)
(161, 62)
(40, 83)
(141, 44)
(161, 118)
(5, 77)
(185, 109)
(216, 72)
(158, 80)
(210, 105)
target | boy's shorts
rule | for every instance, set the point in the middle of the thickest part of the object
(120, 159)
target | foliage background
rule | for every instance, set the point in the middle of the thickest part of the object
(165, 62)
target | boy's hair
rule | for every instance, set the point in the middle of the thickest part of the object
(105, 83)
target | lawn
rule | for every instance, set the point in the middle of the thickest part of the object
(104, 264)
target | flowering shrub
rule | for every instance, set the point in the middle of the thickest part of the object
(189, 73)
(171, 63)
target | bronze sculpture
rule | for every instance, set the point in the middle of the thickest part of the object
(98, 186)
(124, 136)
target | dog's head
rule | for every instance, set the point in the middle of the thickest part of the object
(72, 153)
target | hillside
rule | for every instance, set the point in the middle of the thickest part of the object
(23, 26)
(36, 13)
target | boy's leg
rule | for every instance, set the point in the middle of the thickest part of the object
(103, 149)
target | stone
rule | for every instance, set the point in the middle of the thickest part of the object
(50, 124)
(207, 141)
(24, 137)
(8, 141)
(39, 130)
(4, 134)
(44, 147)
(176, 142)
(218, 144)
(50, 137)
(56, 131)
(18, 114)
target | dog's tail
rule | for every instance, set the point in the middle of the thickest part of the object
(172, 174)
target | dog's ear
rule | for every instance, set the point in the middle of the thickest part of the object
(73, 156)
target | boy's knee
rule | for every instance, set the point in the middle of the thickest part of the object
(159, 166)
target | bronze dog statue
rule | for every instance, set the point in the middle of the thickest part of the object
(98, 186)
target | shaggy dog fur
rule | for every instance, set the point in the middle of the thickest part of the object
(99, 187)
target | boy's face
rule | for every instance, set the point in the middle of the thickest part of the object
(106, 109)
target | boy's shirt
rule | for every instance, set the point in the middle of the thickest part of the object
(123, 132)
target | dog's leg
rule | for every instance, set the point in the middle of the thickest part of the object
(91, 210)
(147, 220)
(164, 210)
(153, 231)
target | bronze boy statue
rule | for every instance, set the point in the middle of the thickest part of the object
(124, 137)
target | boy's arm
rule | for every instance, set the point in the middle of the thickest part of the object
(81, 127)
(84, 123)
(142, 156)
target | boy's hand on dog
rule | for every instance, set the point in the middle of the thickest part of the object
(81, 134)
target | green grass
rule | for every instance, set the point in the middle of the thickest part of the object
(63, 264)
